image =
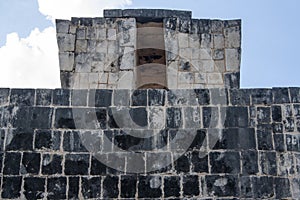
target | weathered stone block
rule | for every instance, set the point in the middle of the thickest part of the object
(76, 164)
(22, 97)
(61, 97)
(81, 46)
(51, 164)
(11, 187)
(12, 163)
(83, 62)
(81, 33)
(171, 186)
(58, 187)
(111, 187)
(215, 78)
(149, 186)
(218, 54)
(43, 97)
(218, 41)
(47, 140)
(34, 187)
(263, 187)
(236, 117)
(264, 137)
(233, 59)
(4, 93)
(62, 26)
(225, 162)
(66, 42)
(128, 186)
(268, 163)
(30, 163)
(232, 37)
(190, 185)
(206, 41)
(222, 185)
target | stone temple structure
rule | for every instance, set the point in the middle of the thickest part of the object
(150, 108)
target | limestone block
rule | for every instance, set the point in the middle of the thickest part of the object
(184, 25)
(93, 80)
(99, 22)
(171, 47)
(194, 41)
(99, 56)
(218, 41)
(103, 77)
(66, 42)
(232, 23)
(195, 54)
(84, 80)
(100, 33)
(217, 26)
(127, 37)
(72, 29)
(200, 78)
(97, 66)
(214, 78)
(112, 47)
(110, 23)
(91, 46)
(185, 53)
(113, 78)
(91, 33)
(66, 61)
(185, 77)
(232, 37)
(101, 46)
(192, 117)
(102, 86)
(82, 62)
(126, 80)
(183, 40)
(220, 66)
(127, 58)
(76, 81)
(218, 54)
(206, 41)
(205, 54)
(111, 63)
(62, 26)
(111, 34)
(206, 66)
(81, 46)
(81, 33)
(156, 118)
(93, 86)
(127, 32)
(172, 76)
(233, 59)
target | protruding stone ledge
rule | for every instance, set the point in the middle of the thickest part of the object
(151, 13)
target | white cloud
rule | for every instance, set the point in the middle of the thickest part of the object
(32, 62)
(65, 9)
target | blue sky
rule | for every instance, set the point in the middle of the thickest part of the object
(270, 37)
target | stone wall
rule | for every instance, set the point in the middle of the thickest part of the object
(202, 143)
(100, 53)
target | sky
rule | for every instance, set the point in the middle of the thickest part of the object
(270, 36)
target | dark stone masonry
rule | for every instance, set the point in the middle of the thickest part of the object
(150, 108)
(254, 153)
